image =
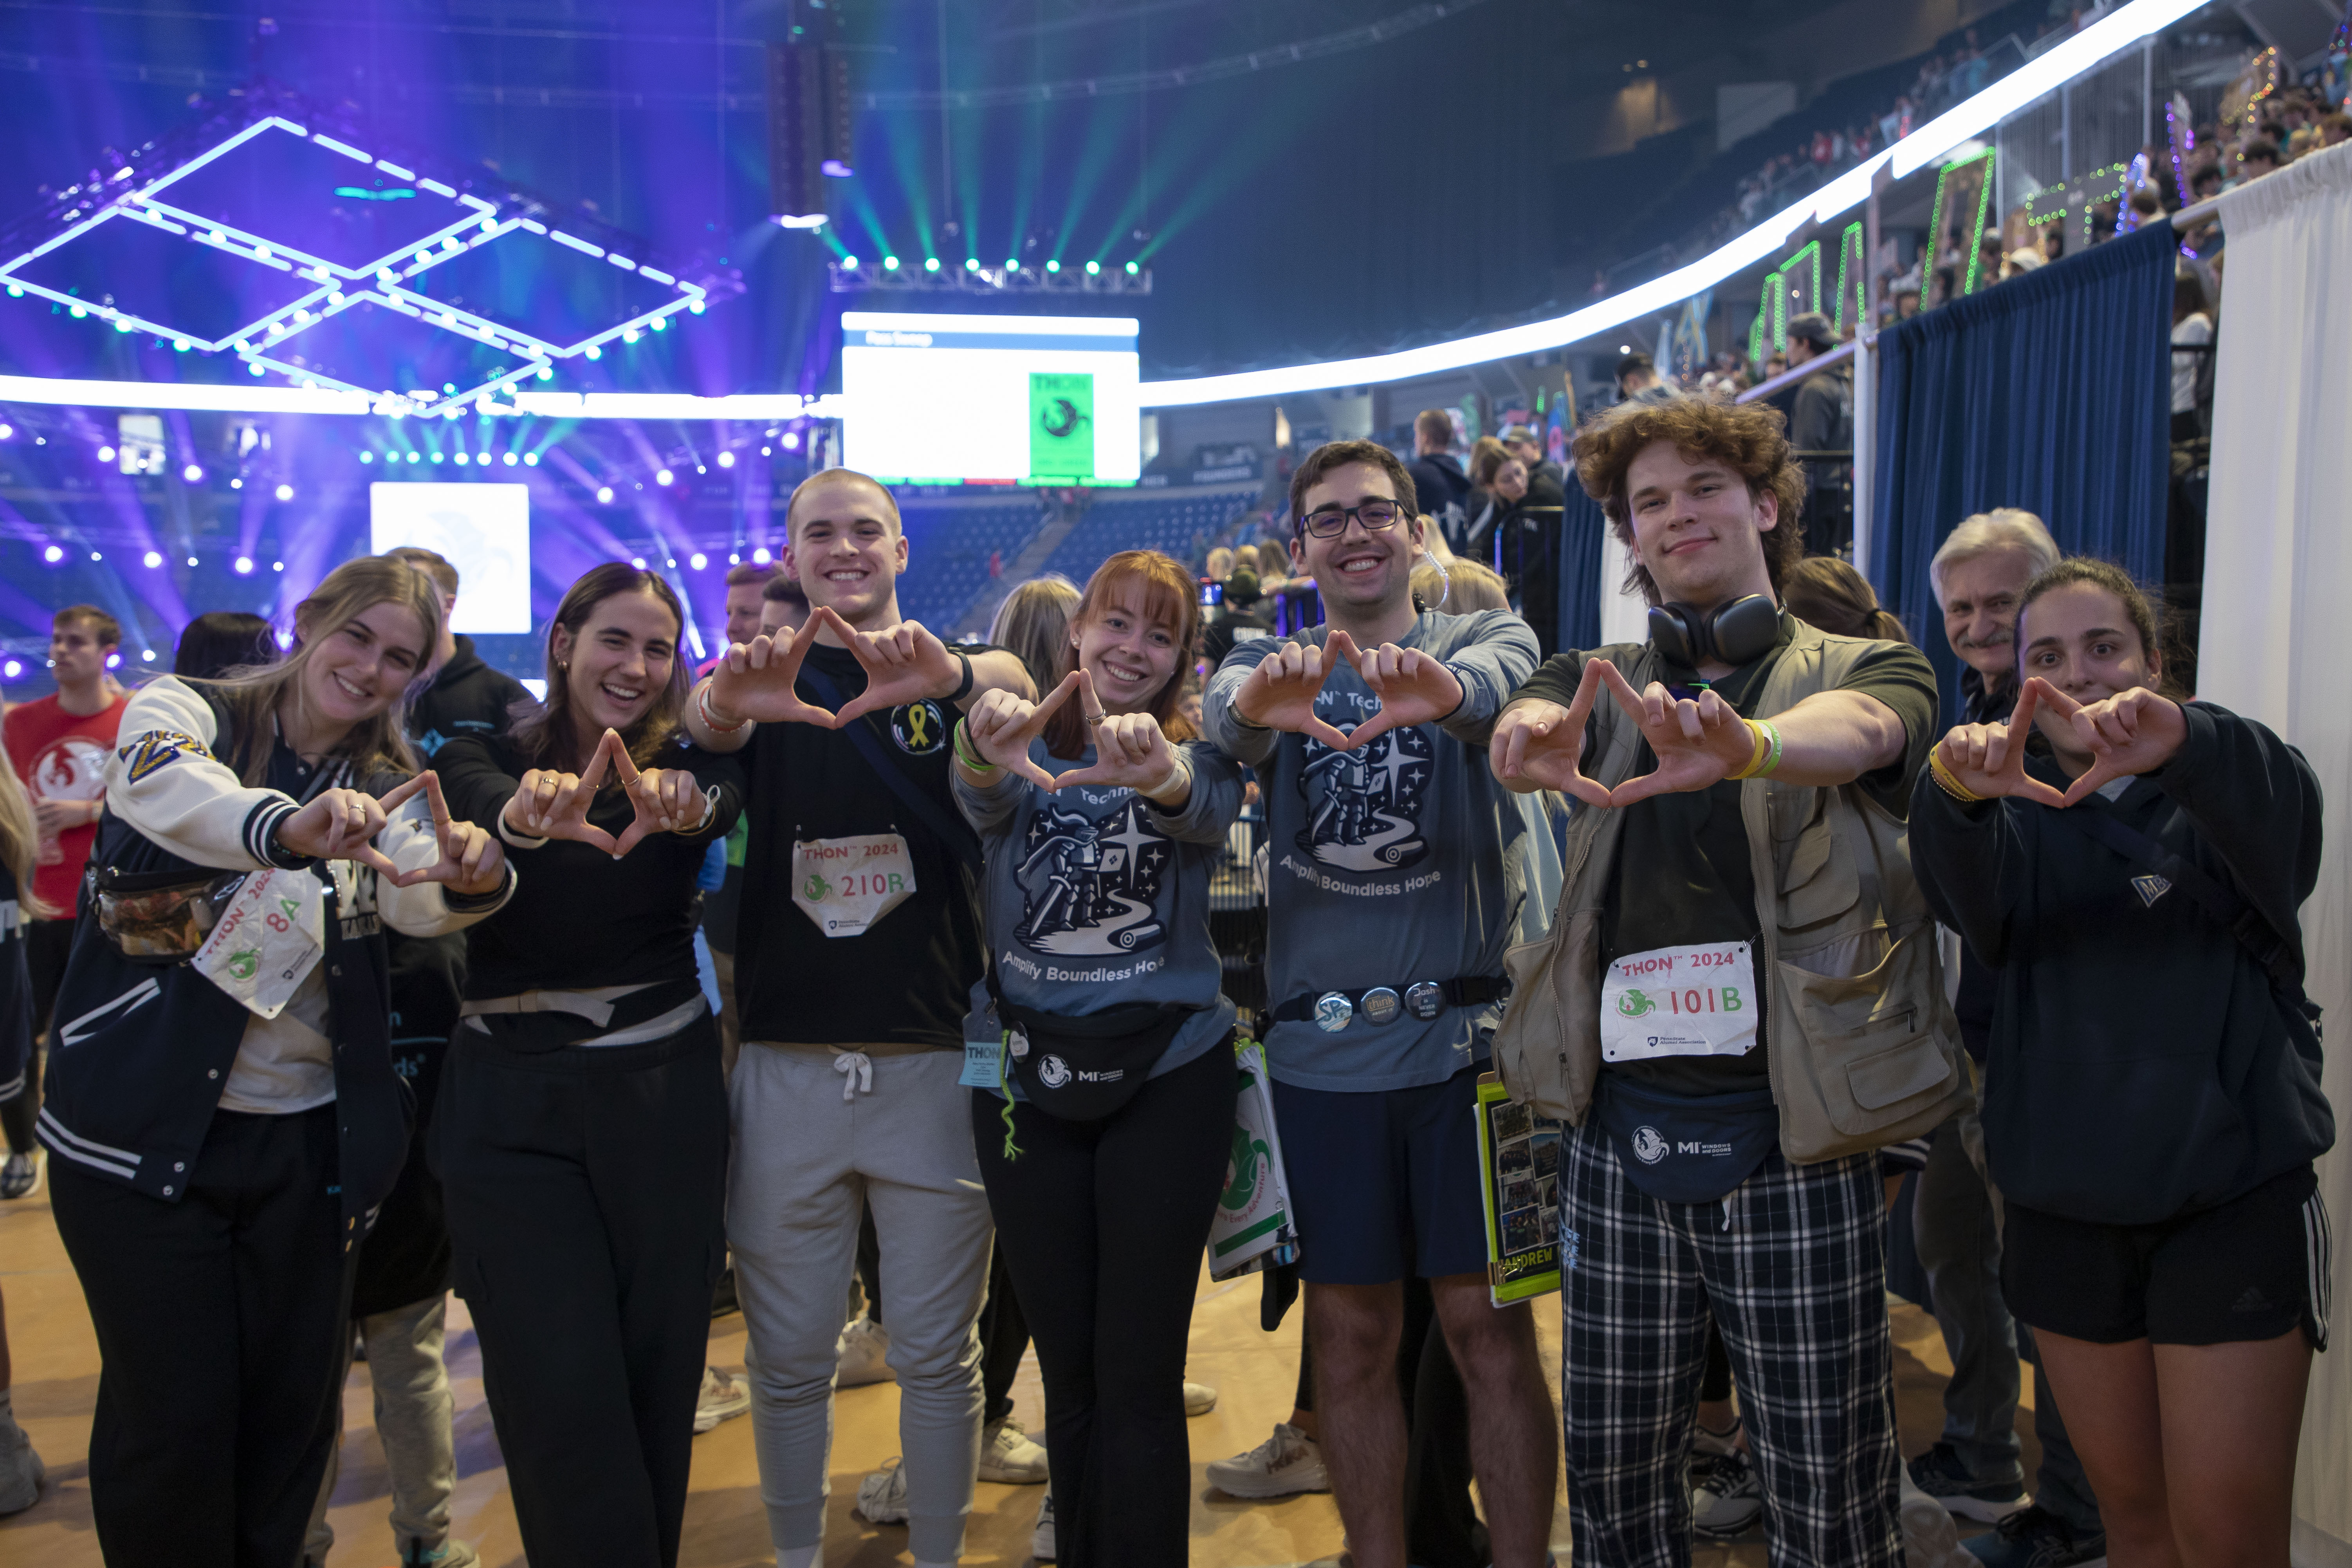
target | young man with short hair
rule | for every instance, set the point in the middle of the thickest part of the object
(1395, 886)
(1979, 575)
(464, 695)
(746, 581)
(1738, 1003)
(853, 977)
(782, 605)
(59, 745)
(1439, 484)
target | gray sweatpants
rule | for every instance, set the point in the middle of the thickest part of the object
(412, 1421)
(813, 1144)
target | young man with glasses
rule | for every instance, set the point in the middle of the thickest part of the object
(1395, 885)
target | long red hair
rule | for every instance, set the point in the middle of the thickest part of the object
(1168, 598)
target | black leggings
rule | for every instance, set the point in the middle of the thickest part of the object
(47, 945)
(586, 1192)
(1102, 1224)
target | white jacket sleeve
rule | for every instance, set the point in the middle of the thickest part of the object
(164, 781)
(428, 909)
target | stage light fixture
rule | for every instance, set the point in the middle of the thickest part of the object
(285, 492)
(254, 370)
(547, 372)
(277, 566)
(122, 326)
(512, 459)
(638, 561)
(78, 312)
(1132, 270)
(726, 460)
(236, 484)
(114, 661)
(604, 495)
(530, 459)
(659, 323)
(244, 564)
(701, 469)
(791, 440)
(930, 264)
(1053, 267)
(96, 556)
(180, 345)
(436, 456)
(698, 560)
(463, 459)
(6, 431)
(367, 456)
(665, 479)
(193, 474)
(971, 264)
(12, 669)
(152, 560)
(890, 264)
(630, 336)
(594, 352)
(1093, 268)
(53, 555)
(761, 555)
(850, 262)
(105, 453)
(415, 456)
(192, 561)
(147, 656)
(734, 558)
(767, 452)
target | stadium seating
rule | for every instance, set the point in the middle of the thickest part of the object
(1180, 525)
(950, 544)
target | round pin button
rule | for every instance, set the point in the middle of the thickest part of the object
(1379, 1004)
(1425, 999)
(1332, 1012)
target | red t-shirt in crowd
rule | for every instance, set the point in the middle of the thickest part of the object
(62, 756)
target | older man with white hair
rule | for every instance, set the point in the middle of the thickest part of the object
(1979, 575)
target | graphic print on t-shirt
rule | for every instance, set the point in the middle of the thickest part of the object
(1087, 885)
(919, 728)
(1364, 810)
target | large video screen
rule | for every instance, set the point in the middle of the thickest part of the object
(950, 399)
(485, 532)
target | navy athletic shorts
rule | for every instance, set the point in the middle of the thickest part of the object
(1385, 1184)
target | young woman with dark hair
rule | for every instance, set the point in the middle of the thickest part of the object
(581, 1134)
(223, 1119)
(2152, 1103)
(1104, 1128)
(220, 641)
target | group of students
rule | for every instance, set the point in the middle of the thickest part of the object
(979, 1001)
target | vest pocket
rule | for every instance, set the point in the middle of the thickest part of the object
(1873, 1053)
(1547, 1049)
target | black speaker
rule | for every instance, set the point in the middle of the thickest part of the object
(809, 129)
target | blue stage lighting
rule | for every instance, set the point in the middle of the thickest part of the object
(1132, 270)
(930, 264)
(849, 262)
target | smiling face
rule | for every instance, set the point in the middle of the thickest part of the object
(619, 663)
(1980, 596)
(1697, 527)
(1364, 570)
(2081, 639)
(360, 669)
(847, 549)
(1128, 653)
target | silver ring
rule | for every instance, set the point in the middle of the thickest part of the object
(1093, 719)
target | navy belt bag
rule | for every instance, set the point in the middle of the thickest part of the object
(1686, 1148)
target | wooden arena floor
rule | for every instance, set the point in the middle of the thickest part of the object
(56, 1380)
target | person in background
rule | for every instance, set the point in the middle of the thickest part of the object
(214, 1171)
(1546, 479)
(21, 1474)
(2255, 159)
(60, 744)
(1235, 620)
(1979, 575)
(745, 583)
(2152, 1101)
(221, 640)
(2192, 329)
(1499, 486)
(1034, 622)
(2336, 128)
(1219, 564)
(1459, 587)
(464, 695)
(1437, 477)
(1823, 591)
(1821, 419)
(1638, 379)
(782, 606)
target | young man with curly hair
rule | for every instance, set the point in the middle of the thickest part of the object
(1737, 1006)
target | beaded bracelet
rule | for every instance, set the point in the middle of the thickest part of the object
(1947, 781)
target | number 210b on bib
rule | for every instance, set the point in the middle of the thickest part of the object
(1679, 1002)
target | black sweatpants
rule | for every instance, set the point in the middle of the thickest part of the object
(1102, 1224)
(221, 1321)
(586, 1192)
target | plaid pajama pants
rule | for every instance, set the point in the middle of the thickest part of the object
(1793, 1267)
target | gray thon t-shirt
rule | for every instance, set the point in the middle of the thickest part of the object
(1395, 863)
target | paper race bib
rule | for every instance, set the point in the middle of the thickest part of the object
(268, 941)
(845, 885)
(1679, 1002)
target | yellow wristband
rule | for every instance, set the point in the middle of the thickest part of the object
(1947, 781)
(1768, 750)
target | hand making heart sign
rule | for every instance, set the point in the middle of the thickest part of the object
(1130, 750)
(906, 664)
(342, 825)
(2134, 731)
(1698, 742)
(552, 803)
(1413, 687)
(756, 679)
(1543, 743)
(1002, 725)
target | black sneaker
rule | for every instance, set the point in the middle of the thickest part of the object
(2034, 1538)
(1939, 1473)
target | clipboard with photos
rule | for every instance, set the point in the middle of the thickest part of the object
(1518, 1170)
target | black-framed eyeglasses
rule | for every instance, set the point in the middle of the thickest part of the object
(1331, 522)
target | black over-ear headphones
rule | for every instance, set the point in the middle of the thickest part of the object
(1731, 634)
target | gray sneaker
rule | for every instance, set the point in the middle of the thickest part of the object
(1041, 1540)
(1726, 1496)
(882, 1496)
(21, 1474)
(724, 1396)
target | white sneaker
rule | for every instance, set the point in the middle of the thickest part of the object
(882, 1496)
(724, 1396)
(1199, 1399)
(1041, 1540)
(1726, 1496)
(859, 1353)
(1285, 1463)
(20, 1176)
(21, 1474)
(1007, 1455)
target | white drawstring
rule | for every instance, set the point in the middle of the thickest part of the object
(856, 1073)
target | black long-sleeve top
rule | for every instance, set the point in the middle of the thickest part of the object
(579, 919)
(2143, 1065)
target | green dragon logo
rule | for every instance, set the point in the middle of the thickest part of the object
(816, 888)
(1634, 1004)
(1249, 1156)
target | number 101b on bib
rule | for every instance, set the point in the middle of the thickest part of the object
(1679, 1002)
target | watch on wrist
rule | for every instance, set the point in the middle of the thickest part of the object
(963, 687)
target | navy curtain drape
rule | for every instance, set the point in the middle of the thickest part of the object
(1580, 526)
(2051, 391)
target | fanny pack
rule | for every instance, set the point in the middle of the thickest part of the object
(1686, 1149)
(1082, 1069)
(161, 917)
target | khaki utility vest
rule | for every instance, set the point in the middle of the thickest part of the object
(1861, 1046)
